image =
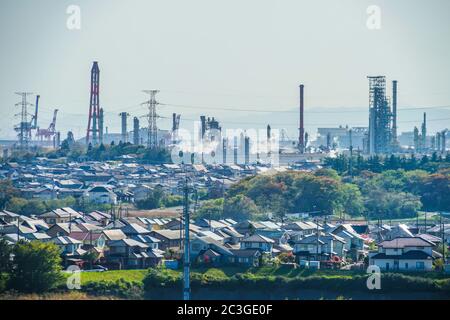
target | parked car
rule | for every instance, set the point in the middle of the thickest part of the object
(97, 268)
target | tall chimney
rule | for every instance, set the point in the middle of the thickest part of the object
(124, 117)
(394, 111)
(424, 131)
(100, 126)
(301, 139)
(136, 130)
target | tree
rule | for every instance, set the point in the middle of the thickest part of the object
(435, 192)
(351, 199)
(7, 192)
(16, 205)
(210, 209)
(153, 200)
(37, 267)
(240, 208)
(5, 257)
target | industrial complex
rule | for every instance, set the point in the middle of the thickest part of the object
(379, 137)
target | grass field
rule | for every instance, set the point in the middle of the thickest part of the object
(228, 271)
(129, 275)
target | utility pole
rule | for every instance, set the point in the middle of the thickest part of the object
(350, 132)
(318, 238)
(186, 265)
(443, 240)
(152, 133)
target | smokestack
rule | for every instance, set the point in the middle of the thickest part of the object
(438, 141)
(136, 130)
(224, 148)
(57, 141)
(100, 126)
(443, 139)
(301, 139)
(394, 111)
(247, 150)
(124, 117)
(424, 131)
(174, 122)
(203, 123)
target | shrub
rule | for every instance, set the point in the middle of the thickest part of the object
(37, 267)
(121, 288)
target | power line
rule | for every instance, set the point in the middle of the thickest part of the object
(244, 109)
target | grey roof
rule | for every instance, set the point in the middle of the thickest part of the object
(65, 240)
(114, 234)
(127, 242)
(410, 255)
(134, 228)
(245, 253)
(258, 238)
(405, 242)
(146, 239)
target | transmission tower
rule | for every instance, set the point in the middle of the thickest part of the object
(94, 106)
(152, 130)
(24, 127)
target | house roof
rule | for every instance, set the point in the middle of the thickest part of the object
(65, 240)
(114, 234)
(429, 237)
(146, 239)
(405, 242)
(127, 242)
(245, 253)
(410, 255)
(211, 253)
(258, 238)
(10, 214)
(81, 236)
(134, 228)
(67, 227)
(169, 234)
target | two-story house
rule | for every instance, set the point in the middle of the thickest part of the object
(321, 247)
(404, 254)
(258, 242)
(132, 254)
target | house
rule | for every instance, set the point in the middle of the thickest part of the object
(101, 195)
(258, 242)
(398, 231)
(246, 257)
(113, 235)
(69, 247)
(63, 229)
(299, 229)
(404, 254)
(133, 229)
(62, 215)
(90, 239)
(199, 245)
(354, 243)
(151, 242)
(321, 247)
(132, 254)
(37, 236)
(169, 238)
(141, 192)
(9, 217)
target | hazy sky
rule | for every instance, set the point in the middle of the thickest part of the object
(251, 54)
